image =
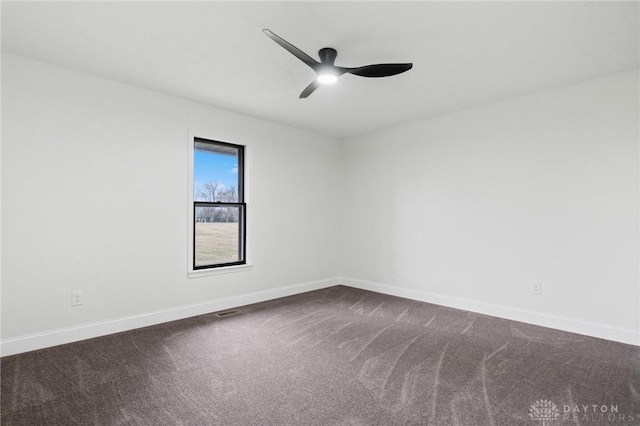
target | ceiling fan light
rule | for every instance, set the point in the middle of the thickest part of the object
(327, 78)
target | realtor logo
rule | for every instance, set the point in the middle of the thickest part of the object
(544, 410)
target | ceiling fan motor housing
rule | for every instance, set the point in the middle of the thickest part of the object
(327, 55)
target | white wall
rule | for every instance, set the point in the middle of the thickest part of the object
(468, 209)
(463, 210)
(94, 197)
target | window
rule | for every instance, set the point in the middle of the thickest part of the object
(219, 210)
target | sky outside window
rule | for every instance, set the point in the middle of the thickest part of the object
(214, 167)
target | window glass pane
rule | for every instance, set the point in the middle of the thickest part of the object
(217, 235)
(215, 176)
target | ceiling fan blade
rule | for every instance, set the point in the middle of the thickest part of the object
(310, 89)
(292, 49)
(378, 70)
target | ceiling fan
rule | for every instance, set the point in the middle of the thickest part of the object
(328, 72)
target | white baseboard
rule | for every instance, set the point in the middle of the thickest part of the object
(601, 331)
(61, 336)
(50, 338)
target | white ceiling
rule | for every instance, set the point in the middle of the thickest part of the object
(464, 53)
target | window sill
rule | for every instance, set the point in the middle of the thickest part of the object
(218, 271)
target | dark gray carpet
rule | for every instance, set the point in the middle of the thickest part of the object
(337, 356)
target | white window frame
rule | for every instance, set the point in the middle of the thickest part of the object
(196, 273)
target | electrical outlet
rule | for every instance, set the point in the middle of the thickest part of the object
(76, 298)
(536, 288)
